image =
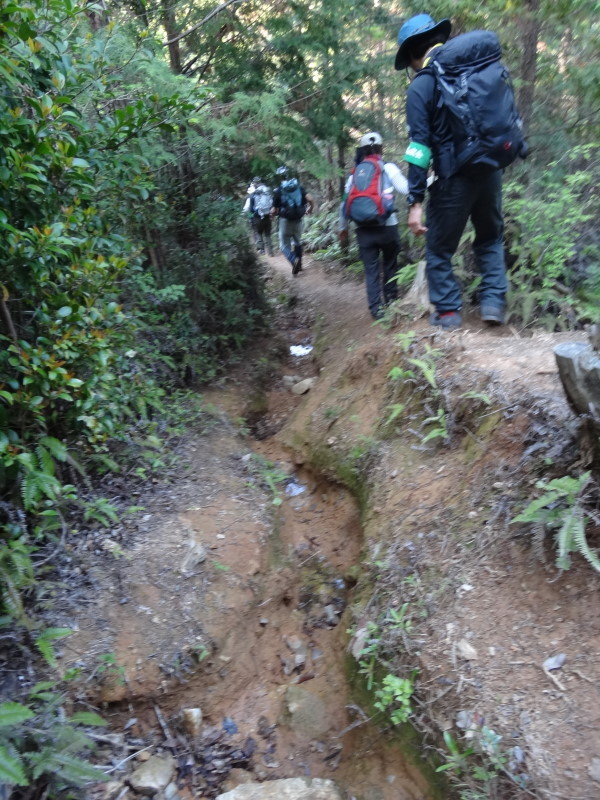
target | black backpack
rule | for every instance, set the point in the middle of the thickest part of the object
(476, 89)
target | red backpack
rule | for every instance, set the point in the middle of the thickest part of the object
(367, 203)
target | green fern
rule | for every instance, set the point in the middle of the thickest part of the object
(16, 574)
(427, 369)
(11, 768)
(13, 714)
(584, 548)
(45, 646)
(39, 743)
(55, 446)
(45, 460)
(561, 508)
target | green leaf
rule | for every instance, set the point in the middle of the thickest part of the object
(531, 513)
(44, 643)
(76, 771)
(55, 633)
(42, 686)
(65, 311)
(55, 446)
(14, 713)
(87, 718)
(47, 652)
(11, 769)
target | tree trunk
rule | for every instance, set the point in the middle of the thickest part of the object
(98, 16)
(7, 322)
(530, 26)
(170, 26)
(342, 166)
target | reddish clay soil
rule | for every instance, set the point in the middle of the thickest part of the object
(214, 590)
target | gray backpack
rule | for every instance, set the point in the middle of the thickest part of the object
(262, 201)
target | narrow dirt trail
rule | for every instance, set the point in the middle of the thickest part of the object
(214, 598)
(209, 599)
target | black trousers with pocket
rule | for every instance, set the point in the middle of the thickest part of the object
(379, 248)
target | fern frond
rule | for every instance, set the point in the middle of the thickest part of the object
(11, 769)
(30, 491)
(55, 446)
(583, 546)
(45, 460)
(565, 537)
(74, 770)
(48, 485)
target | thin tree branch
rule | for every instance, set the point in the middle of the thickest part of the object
(7, 320)
(208, 17)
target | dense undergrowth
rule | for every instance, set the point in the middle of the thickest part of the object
(121, 285)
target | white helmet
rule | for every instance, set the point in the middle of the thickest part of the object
(371, 138)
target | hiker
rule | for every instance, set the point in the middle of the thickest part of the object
(369, 203)
(260, 205)
(467, 165)
(247, 212)
(291, 203)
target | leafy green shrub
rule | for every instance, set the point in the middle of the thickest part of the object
(554, 279)
(41, 745)
(416, 394)
(393, 698)
(485, 767)
(98, 313)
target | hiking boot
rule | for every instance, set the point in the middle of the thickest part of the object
(296, 266)
(378, 313)
(492, 314)
(448, 320)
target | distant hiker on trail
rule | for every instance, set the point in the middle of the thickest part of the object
(260, 205)
(467, 154)
(369, 203)
(247, 212)
(291, 203)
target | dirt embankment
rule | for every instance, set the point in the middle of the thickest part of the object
(487, 606)
(207, 604)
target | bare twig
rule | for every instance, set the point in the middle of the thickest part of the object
(125, 760)
(554, 679)
(170, 740)
(202, 22)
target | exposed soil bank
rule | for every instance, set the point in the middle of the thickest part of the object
(487, 607)
(210, 605)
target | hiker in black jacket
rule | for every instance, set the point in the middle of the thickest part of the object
(473, 191)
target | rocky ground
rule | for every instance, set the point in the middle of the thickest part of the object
(211, 629)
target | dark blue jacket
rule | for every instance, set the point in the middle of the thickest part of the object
(428, 124)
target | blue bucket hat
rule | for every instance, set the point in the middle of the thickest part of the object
(413, 29)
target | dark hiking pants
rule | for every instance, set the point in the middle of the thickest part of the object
(263, 234)
(379, 248)
(452, 203)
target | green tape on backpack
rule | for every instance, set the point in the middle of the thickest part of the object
(418, 154)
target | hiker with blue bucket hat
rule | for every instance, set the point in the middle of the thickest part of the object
(467, 152)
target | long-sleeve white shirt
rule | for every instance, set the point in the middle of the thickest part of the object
(393, 177)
